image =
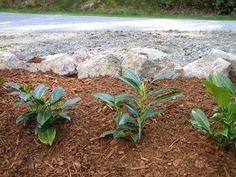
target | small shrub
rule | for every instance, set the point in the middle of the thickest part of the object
(131, 112)
(223, 125)
(46, 111)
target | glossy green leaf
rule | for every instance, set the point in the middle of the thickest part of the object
(64, 115)
(130, 83)
(132, 75)
(14, 93)
(132, 109)
(119, 133)
(56, 94)
(200, 120)
(135, 137)
(166, 96)
(39, 91)
(150, 112)
(220, 94)
(125, 96)
(157, 91)
(70, 102)
(109, 99)
(222, 132)
(43, 116)
(107, 133)
(221, 80)
(164, 76)
(23, 117)
(47, 136)
(18, 103)
(123, 119)
(12, 85)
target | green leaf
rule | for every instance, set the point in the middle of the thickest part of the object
(157, 90)
(222, 132)
(122, 119)
(18, 103)
(132, 75)
(132, 109)
(14, 93)
(130, 83)
(164, 76)
(220, 94)
(135, 137)
(12, 85)
(25, 117)
(150, 112)
(70, 102)
(39, 91)
(43, 116)
(47, 136)
(64, 115)
(221, 80)
(125, 96)
(119, 133)
(109, 99)
(200, 120)
(107, 133)
(166, 96)
(217, 117)
(56, 94)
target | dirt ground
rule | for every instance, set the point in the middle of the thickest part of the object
(170, 146)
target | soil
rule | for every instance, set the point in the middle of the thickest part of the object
(170, 146)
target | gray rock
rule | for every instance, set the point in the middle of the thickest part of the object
(230, 57)
(150, 62)
(81, 55)
(9, 61)
(201, 68)
(99, 66)
(62, 64)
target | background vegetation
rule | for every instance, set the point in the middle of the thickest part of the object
(126, 7)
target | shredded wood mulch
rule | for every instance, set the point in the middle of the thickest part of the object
(170, 146)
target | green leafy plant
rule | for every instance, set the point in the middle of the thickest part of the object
(131, 112)
(44, 110)
(223, 125)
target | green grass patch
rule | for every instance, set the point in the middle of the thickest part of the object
(120, 12)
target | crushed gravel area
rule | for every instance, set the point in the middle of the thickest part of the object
(184, 47)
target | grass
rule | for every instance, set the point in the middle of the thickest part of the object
(120, 12)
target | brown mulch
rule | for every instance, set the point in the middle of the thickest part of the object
(35, 59)
(170, 146)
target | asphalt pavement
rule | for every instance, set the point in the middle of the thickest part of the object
(17, 22)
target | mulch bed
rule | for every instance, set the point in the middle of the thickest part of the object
(170, 146)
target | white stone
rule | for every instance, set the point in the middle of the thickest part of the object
(230, 57)
(149, 63)
(9, 61)
(99, 66)
(62, 64)
(201, 68)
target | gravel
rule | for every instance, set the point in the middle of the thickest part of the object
(184, 47)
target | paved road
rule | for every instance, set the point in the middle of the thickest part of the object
(15, 22)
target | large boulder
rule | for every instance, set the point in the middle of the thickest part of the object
(150, 62)
(99, 66)
(201, 68)
(9, 61)
(62, 64)
(230, 57)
